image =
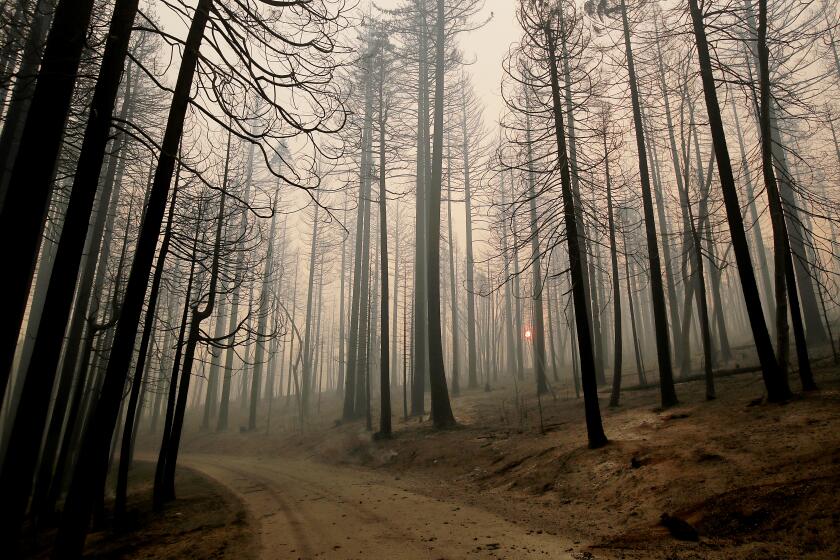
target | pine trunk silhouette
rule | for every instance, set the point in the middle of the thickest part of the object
(472, 375)
(615, 396)
(441, 409)
(21, 94)
(668, 395)
(93, 456)
(420, 318)
(588, 271)
(171, 444)
(453, 296)
(775, 383)
(16, 479)
(577, 262)
(786, 279)
(136, 382)
(30, 184)
(384, 357)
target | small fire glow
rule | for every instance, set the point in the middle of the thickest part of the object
(528, 333)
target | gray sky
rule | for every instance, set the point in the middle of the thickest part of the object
(489, 46)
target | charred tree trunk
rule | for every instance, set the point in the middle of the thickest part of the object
(363, 351)
(21, 97)
(640, 368)
(292, 338)
(702, 305)
(511, 331)
(797, 236)
(127, 438)
(395, 316)
(588, 276)
(308, 327)
(384, 358)
(786, 280)
(668, 394)
(173, 442)
(577, 262)
(616, 288)
(421, 326)
(775, 383)
(262, 322)
(472, 375)
(25, 208)
(683, 348)
(441, 409)
(360, 288)
(673, 307)
(159, 493)
(518, 312)
(211, 400)
(758, 240)
(456, 381)
(706, 225)
(224, 401)
(108, 198)
(94, 451)
(25, 205)
(341, 313)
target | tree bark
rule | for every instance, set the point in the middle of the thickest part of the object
(154, 290)
(420, 346)
(107, 206)
(441, 408)
(577, 263)
(785, 276)
(18, 108)
(456, 381)
(224, 401)
(262, 322)
(617, 350)
(384, 358)
(673, 307)
(341, 301)
(588, 276)
(25, 205)
(173, 442)
(758, 240)
(775, 383)
(16, 478)
(351, 410)
(509, 319)
(395, 316)
(94, 452)
(520, 367)
(668, 394)
(472, 376)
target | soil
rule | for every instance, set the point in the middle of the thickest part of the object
(309, 510)
(205, 521)
(735, 478)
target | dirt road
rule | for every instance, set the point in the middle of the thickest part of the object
(309, 510)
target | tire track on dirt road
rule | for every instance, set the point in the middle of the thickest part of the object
(310, 510)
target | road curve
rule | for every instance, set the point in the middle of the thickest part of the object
(308, 510)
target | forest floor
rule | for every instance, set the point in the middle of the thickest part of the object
(754, 480)
(205, 521)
